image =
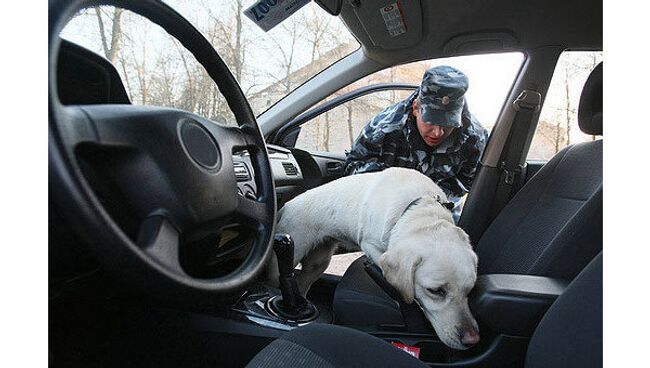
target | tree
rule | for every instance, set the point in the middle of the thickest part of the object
(111, 49)
(318, 32)
(569, 110)
(350, 129)
(142, 75)
(293, 31)
(228, 37)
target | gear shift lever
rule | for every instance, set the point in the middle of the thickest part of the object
(283, 247)
(291, 305)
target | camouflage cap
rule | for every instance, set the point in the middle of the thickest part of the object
(442, 96)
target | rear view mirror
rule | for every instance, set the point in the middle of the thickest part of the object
(331, 6)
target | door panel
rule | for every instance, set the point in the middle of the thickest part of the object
(331, 165)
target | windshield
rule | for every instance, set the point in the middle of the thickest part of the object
(156, 70)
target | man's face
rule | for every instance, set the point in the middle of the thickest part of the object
(432, 134)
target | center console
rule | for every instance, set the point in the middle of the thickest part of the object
(287, 308)
(507, 307)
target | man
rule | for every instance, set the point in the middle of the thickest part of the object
(431, 131)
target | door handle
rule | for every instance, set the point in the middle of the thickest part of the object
(334, 167)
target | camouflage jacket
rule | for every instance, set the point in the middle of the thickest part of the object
(392, 139)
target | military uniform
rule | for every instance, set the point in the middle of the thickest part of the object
(392, 138)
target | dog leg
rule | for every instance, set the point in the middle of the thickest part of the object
(313, 265)
(272, 272)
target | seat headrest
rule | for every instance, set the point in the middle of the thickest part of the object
(590, 111)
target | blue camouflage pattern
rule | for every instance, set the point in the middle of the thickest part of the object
(392, 139)
(442, 96)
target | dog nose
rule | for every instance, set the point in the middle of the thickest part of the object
(470, 338)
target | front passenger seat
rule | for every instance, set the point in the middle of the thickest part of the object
(569, 335)
(552, 227)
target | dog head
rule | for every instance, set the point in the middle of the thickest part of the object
(436, 267)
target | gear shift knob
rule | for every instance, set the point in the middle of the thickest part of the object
(291, 305)
(283, 247)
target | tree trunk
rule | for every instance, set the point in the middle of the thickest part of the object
(319, 138)
(326, 139)
(126, 79)
(116, 34)
(568, 107)
(141, 70)
(238, 51)
(350, 132)
(190, 101)
(110, 50)
(102, 33)
(558, 136)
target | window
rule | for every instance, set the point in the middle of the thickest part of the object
(157, 70)
(336, 130)
(558, 121)
(490, 79)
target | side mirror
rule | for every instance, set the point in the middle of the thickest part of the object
(331, 6)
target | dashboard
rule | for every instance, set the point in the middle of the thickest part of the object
(287, 174)
(294, 171)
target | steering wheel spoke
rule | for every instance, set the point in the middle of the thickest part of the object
(75, 128)
(251, 211)
(160, 240)
(230, 139)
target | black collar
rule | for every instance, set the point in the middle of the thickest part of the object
(448, 205)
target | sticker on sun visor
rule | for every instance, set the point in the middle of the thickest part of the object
(269, 13)
(394, 19)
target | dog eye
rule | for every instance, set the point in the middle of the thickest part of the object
(440, 291)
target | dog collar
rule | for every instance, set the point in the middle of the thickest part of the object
(448, 205)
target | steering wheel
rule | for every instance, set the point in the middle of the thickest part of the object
(174, 170)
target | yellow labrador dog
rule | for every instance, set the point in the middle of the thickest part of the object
(398, 219)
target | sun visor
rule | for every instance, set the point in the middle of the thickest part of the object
(390, 24)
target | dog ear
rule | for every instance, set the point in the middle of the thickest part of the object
(463, 235)
(399, 270)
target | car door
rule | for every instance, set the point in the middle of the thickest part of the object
(320, 137)
(323, 134)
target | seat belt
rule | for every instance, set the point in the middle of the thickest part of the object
(412, 315)
(527, 104)
(378, 276)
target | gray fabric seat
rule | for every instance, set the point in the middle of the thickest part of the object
(569, 335)
(551, 227)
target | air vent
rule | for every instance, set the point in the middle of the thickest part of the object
(241, 172)
(290, 169)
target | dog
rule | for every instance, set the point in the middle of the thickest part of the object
(398, 218)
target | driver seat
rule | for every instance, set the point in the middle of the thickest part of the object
(569, 335)
(552, 227)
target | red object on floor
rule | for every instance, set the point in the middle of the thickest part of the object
(413, 350)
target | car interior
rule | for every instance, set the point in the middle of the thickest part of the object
(161, 221)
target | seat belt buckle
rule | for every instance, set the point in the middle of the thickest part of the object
(510, 173)
(510, 177)
(529, 100)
